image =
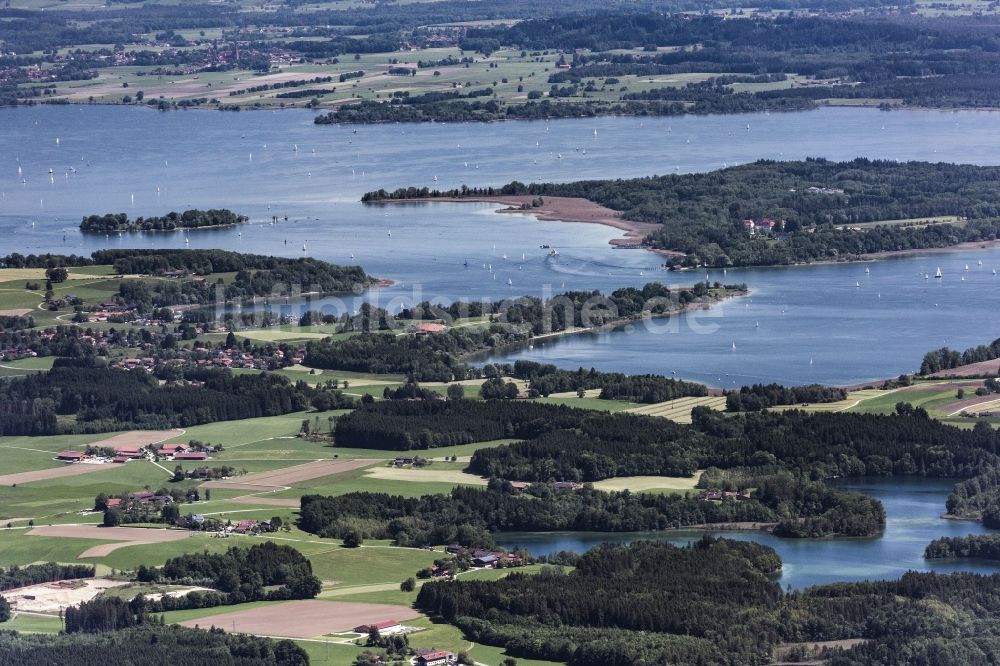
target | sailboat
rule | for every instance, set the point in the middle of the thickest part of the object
(734, 346)
(967, 267)
(857, 284)
(510, 282)
(867, 270)
(938, 274)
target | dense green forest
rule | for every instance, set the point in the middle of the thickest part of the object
(469, 516)
(650, 603)
(189, 219)
(423, 424)
(34, 574)
(948, 359)
(817, 204)
(979, 546)
(103, 399)
(254, 275)
(759, 396)
(157, 646)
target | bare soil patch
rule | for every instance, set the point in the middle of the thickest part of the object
(69, 469)
(52, 597)
(17, 312)
(304, 619)
(138, 438)
(288, 476)
(981, 369)
(126, 536)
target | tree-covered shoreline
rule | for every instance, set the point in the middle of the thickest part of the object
(803, 211)
(189, 219)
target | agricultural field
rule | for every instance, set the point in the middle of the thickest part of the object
(679, 410)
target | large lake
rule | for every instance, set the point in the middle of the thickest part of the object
(913, 507)
(800, 324)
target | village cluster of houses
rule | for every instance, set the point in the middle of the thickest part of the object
(482, 558)
(127, 452)
(140, 499)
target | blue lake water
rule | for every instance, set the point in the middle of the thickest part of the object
(800, 324)
(913, 508)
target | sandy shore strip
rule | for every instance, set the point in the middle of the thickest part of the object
(288, 476)
(557, 209)
(304, 619)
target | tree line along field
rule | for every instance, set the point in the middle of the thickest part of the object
(504, 72)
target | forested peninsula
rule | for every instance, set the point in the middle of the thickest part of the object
(189, 219)
(713, 602)
(775, 213)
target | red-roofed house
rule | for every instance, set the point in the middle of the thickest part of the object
(120, 459)
(424, 329)
(193, 455)
(434, 658)
(245, 525)
(387, 627)
(130, 451)
(71, 456)
(171, 449)
(114, 502)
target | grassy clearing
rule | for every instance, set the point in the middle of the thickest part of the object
(668, 484)
(437, 473)
(59, 500)
(34, 624)
(679, 410)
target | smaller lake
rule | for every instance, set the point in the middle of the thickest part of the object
(913, 507)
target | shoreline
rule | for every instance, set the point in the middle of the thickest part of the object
(578, 209)
(554, 209)
(610, 326)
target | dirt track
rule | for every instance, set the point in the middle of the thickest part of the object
(303, 619)
(289, 476)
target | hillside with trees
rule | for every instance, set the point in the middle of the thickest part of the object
(650, 603)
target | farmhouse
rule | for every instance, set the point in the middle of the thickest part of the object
(200, 455)
(129, 451)
(245, 526)
(71, 456)
(383, 628)
(434, 657)
(172, 449)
